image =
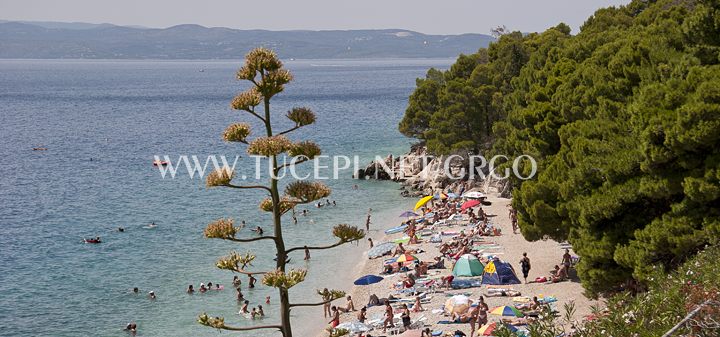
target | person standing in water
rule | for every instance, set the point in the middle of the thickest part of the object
(307, 253)
(251, 281)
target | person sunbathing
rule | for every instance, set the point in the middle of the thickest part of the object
(517, 320)
(350, 306)
(558, 274)
(439, 263)
(502, 293)
(417, 307)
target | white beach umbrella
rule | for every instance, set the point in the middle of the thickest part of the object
(473, 195)
(458, 304)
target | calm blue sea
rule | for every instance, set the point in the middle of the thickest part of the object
(102, 122)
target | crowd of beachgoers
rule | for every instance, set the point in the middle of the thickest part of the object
(456, 266)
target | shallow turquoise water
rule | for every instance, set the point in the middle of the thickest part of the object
(120, 114)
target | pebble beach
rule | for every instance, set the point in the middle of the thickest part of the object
(508, 247)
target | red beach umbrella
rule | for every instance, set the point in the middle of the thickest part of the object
(469, 203)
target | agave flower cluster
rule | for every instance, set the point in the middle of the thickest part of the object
(213, 322)
(220, 177)
(279, 279)
(307, 191)
(247, 100)
(305, 149)
(265, 63)
(347, 233)
(269, 146)
(237, 132)
(301, 116)
(221, 229)
(235, 262)
(286, 204)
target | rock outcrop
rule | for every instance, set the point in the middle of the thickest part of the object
(420, 173)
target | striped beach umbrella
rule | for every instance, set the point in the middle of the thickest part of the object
(406, 258)
(507, 310)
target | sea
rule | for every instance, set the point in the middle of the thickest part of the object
(102, 122)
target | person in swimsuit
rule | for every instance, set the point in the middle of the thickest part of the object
(388, 316)
(335, 317)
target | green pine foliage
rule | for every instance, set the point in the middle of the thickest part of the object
(623, 119)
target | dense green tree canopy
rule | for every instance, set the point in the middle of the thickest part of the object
(623, 119)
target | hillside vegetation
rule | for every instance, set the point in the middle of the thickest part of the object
(623, 119)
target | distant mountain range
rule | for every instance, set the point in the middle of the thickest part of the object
(57, 40)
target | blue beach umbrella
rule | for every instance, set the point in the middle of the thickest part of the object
(408, 214)
(367, 280)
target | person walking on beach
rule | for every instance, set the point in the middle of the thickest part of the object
(388, 316)
(566, 261)
(370, 242)
(367, 223)
(405, 316)
(482, 316)
(307, 253)
(525, 266)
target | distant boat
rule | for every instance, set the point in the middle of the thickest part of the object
(202, 70)
(39, 149)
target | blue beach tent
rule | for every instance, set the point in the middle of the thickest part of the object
(497, 272)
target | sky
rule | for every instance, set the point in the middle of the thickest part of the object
(425, 16)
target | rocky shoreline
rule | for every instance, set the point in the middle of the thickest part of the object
(421, 173)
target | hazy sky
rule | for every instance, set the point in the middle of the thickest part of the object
(427, 16)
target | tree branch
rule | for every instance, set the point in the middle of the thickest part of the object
(251, 239)
(311, 304)
(252, 112)
(258, 327)
(249, 187)
(317, 247)
(240, 271)
(289, 130)
(290, 163)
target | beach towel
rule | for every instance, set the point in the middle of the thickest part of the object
(465, 283)
(450, 322)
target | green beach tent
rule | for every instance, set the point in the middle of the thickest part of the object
(468, 265)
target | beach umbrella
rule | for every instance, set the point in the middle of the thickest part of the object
(408, 214)
(458, 304)
(406, 258)
(487, 329)
(367, 280)
(468, 265)
(473, 195)
(440, 196)
(354, 327)
(469, 204)
(507, 310)
(380, 249)
(422, 202)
